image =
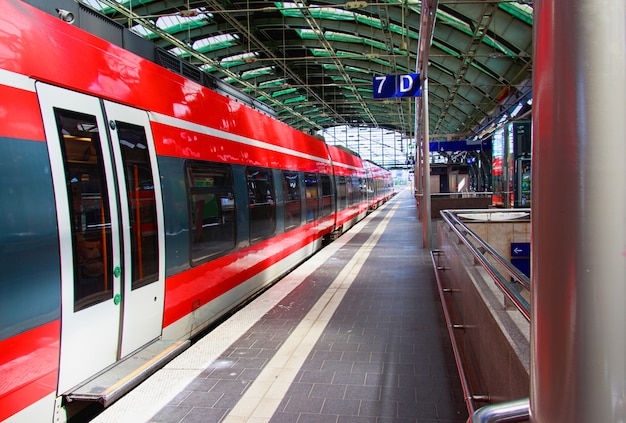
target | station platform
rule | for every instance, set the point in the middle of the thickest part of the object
(354, 334)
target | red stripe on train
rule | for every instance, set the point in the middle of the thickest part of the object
(29, 365)
(22, 119)
(200, 285)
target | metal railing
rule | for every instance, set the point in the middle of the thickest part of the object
(511, 411)
(460, 194)
(481, 249)
(467, 395)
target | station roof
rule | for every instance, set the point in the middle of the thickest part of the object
(313, 62)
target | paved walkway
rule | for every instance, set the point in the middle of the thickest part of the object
(356, 334)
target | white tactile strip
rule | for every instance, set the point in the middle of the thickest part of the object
(261, 400)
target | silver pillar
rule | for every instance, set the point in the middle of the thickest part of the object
(426, 203)
(578, 334)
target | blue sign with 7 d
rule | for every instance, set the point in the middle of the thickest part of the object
(391, 86)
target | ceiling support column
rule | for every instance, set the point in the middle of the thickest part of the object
(426, 203)
(427, 29)
(578, 325)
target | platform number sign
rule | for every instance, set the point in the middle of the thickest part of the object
(392, 86)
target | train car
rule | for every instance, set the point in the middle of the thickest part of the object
(350, 182)
(137, 208)
(379, 185)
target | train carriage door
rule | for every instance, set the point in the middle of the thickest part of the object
(142, 223)
(93, 205)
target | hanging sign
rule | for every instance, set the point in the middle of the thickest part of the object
(393, 86)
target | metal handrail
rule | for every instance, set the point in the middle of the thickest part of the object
(469, 399)
(450, 216)
(458, 194)
(504, 412)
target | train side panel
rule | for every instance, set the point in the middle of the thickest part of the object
(350, 178)
(29, 256)
(379, 185)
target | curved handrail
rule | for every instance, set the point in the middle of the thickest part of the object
(450, 216)
(504, 412)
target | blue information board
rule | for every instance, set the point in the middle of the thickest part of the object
(392, 86)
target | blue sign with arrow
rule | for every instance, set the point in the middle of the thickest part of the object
(520, 256)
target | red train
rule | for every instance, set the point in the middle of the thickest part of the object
(137, 208)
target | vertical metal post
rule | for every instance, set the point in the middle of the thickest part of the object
(427, 27)
(371, 149)
(426, 207)
(578, 332)
(417, 179)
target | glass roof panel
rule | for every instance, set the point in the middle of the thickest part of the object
(309, 34)
(283, 92)
(95, 4)
(293, 10)
(523, 12)
(366, 20)
(144, 32)
(329, 66)
(318, 52)
(215, 43)
(361, 81)
(295, 99)
(253, 73)
(177, 51)
(339, 36)
(238, 59)
(207, 68)
(273, 83)
(174, 23)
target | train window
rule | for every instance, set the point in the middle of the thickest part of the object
(89, 208)
(342, 193)
(141, 204)
(261, 202)
(371, 187)
(363, 190)
(327, 195)
(350, 190)
(312, 196)
(212, 210)
(293, 204)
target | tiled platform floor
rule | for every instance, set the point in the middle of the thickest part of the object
(356, 334)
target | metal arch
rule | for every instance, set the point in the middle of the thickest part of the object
(329, 48)
(385, 35)
(270, 54)
(175, 41)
